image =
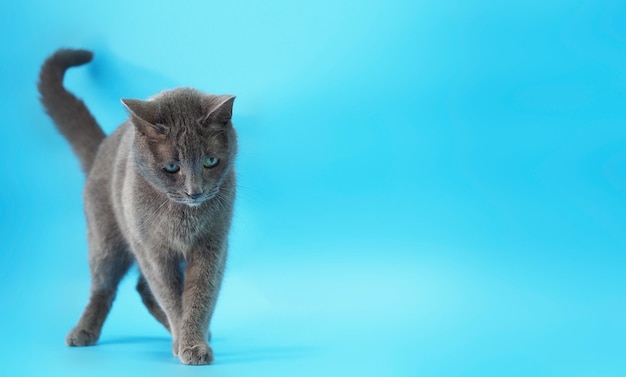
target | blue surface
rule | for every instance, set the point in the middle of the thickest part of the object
(427, 188)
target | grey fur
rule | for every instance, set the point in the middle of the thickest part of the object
(173, 225)
(72, 117)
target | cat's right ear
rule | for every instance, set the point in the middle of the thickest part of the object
(144, 116)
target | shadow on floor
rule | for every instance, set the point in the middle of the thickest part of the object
(158, 348)
(259, 354)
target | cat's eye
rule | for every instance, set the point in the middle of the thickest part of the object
(210, 162)
(171, 168)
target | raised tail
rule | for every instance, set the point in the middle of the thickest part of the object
(69, 113)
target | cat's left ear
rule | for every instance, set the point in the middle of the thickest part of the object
(221, 110)
(144, 110)
(144, 116)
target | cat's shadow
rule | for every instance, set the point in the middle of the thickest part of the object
(135, 340)
(224, 355)
(245, 354)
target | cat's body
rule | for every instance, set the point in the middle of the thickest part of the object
(159, 192)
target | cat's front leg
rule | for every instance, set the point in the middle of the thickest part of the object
(203, 277)
(162, 271)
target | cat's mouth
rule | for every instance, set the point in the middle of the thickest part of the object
(191, 202)
(196, 201)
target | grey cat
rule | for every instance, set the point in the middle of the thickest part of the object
(160, 192)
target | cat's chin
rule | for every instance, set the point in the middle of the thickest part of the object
(192, 204)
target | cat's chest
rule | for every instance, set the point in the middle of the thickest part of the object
(173, 228)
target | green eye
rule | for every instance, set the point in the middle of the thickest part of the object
(172, 168)
(210, 162)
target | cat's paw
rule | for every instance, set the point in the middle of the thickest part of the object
(195, 354)
(81, 337)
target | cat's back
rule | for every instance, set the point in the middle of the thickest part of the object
(108, 168)
(112, 148)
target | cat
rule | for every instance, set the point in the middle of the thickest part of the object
(159, 192)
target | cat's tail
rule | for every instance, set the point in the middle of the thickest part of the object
(71, 116)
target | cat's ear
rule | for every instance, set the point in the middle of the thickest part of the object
(144, 115)
(221, 110)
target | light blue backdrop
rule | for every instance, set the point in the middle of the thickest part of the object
(432, 188)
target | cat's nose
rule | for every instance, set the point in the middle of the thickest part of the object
(194, 195)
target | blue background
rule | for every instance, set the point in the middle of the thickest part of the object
(428, 188)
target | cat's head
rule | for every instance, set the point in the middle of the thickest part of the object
(185, 143)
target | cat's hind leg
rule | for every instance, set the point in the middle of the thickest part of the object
(109, 260)
(150, 302)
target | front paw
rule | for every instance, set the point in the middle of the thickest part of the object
(79, 337)
(195, 354)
